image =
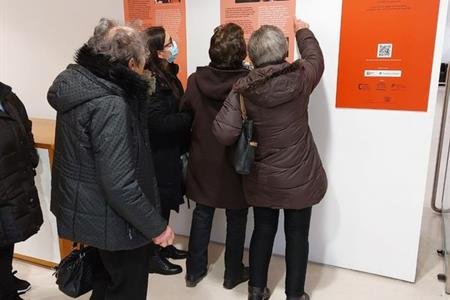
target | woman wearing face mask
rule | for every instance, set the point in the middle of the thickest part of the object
(168, 128)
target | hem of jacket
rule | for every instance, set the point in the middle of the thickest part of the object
(201, 201)
(22, 238)
(103, 247)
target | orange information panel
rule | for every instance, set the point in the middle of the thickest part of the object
(386, 54)
(171, 14)
(251, 14)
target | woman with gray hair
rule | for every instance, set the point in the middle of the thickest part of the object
(287, 172)
(104, 190)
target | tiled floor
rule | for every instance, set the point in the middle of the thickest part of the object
(325, 283)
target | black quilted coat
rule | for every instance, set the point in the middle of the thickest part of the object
(104, 190)
(20, 213)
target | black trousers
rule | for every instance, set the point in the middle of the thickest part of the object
(7, 286)
(121, 275)
(296, 228)
(197, 262)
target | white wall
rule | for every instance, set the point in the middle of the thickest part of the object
(39, 38)
(376, 160)
(446, 56)
(45, 244)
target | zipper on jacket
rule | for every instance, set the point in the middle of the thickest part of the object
(130, 235)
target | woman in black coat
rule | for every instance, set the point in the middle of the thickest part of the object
(20, 213)
(169, 135)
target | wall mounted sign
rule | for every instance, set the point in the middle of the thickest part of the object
(386, 54)
(251, 14)
(171, 14)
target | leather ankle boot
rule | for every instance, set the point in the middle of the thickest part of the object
(231, 283)
(304, 297)
(192, 280)
(255, 293)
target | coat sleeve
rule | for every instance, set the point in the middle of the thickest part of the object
(187, 102)
(161, 122)
(28, 127)
(228, 123)
(312, 58)
(112, 142)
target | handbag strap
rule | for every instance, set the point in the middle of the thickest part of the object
(76, 246)
(243, 108)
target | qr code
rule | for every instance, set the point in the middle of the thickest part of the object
(384, 51)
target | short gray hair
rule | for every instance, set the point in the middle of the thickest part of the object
(267, 45)
(119, 43)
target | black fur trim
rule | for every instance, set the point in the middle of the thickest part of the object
(134, 86)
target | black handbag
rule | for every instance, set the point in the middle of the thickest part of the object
(74, 275)
(244, 149)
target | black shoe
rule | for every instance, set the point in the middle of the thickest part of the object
(174, 253)
(304, 297)
(231, 283)
(255, 293)
(160, 265)
(192, 281)
(22, 286)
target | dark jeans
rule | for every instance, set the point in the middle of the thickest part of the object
(7, 286)
(121, 275)
(197, 262)
(296, 228)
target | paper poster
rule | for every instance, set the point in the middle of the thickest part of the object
(251, 14)
(386, 54)
(171, 14)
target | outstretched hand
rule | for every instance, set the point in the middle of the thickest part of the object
(300, 24)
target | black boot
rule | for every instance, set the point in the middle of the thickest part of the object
(192, 280)
(255, 293)
(231, 283)
(174, 253)
(304, 297)
(160, 265)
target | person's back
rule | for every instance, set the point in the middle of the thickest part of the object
(87, 107)
(287, 172)
(20, 212)
(104, 191)
(211, 180)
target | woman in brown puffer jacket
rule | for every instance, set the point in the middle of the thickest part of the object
(287, 172)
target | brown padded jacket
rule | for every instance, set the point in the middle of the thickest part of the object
(287, 172)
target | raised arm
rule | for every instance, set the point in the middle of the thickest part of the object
(312, 56)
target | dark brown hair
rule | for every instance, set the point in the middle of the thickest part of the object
(227, 48)
(155, 39)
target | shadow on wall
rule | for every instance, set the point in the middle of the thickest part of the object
(328, 209)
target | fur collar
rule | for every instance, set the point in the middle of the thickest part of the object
(259, 76)
(133, 85)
